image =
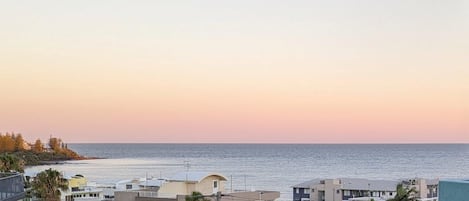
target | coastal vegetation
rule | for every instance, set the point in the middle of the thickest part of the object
(11, 163)
(404, 193)
(196, 196)
(13, 147)
(47, 185)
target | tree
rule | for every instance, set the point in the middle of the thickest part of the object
(196, 196)
(38, 147)
(54, 144)
(19, 142)
(11, 163)
(7, 144)
(404, 193)
(47, 185)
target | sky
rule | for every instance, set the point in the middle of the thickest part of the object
(271, 71)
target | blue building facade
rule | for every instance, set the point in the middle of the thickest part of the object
(11, 187)
(301, 192)
(454, 190)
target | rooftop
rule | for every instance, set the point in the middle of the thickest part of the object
(307, 184)
(366, 184)
(356, 184)
(194, 176)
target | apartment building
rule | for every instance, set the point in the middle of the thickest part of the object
(362, 189)
(453, 190)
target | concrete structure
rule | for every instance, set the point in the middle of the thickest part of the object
(344, 189)
(177, 187)
(11, 187)
(238, 196)
(427, 189)
(80, 189)
(185, 183)
(454, 190)
(362, 189)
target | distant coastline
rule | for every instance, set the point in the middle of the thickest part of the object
(32, 154)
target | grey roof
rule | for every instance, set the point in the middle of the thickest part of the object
(195, 176)
(152, 182)
(356, 184)
(366, 184)
(432, 181)
(307, 184)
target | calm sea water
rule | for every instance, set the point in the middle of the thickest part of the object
(269, 166)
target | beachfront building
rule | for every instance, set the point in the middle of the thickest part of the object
(454, 190)
(184, 183)
(362, 189)
(11, 186)
(344, 189)
(302, 191)
(80, 189)
(427, 189)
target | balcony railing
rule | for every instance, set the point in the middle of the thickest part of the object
(11, 187)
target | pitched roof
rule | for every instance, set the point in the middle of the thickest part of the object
(307, 184)
(356, 184)
(366, 184)
(152, 182)
(195, 176)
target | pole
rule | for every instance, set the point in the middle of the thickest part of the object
(245, 188)
(218, 196)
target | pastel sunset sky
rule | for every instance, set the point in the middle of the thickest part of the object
(268, 71)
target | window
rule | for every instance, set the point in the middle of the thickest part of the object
(297, 190)
(390, 193)
(128, 186)
(215, 184)
(338, 191)
(346, 193)
(307, 190)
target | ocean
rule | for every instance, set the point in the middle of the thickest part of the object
(268, 166)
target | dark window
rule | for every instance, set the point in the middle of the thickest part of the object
(128, 186)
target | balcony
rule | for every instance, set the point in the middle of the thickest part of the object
(11, 187)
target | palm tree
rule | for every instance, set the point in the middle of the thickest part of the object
(196, 196)
(404, 193)
(11, 163)
(47, 185)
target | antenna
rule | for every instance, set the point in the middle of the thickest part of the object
(187, 165)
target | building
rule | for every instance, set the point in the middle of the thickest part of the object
(183, 183)
(237, 196)
(344, 189)
(11, 187)
(177, 187)
(362, 189)
(301, 192)
(453, 190)
(80, 189)
(427, 189)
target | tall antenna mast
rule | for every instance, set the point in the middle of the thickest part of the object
(187, 165)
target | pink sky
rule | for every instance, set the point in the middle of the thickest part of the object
(274, 72)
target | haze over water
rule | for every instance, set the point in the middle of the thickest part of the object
(270, 166)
